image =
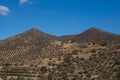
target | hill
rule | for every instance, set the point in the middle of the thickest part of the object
(93, 35)
(35, 55)
(23, 43)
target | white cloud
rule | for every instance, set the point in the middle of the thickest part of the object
(21, 2)
(4, 10)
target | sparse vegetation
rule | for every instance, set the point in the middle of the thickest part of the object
(35, 55)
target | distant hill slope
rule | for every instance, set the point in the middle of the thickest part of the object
(35, 43)
(32, 40)
(32, 34)
(93, 35)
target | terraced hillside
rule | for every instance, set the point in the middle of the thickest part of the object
(22, 44)
(35, 55)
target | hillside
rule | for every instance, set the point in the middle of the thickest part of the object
(93, 35)
(35, 55)
(23, 43)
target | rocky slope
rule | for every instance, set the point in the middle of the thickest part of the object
(35, 55)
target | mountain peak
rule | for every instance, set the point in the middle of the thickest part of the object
(38, 33)
(33, 29)
(35, 32)
(95, 29)
(96, 32)
(94, 35)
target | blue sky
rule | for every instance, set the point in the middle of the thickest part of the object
(58, 17)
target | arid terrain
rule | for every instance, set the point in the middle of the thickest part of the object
(35, 55)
